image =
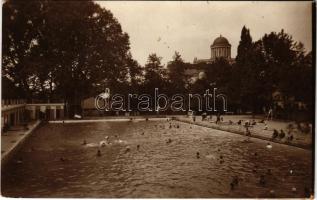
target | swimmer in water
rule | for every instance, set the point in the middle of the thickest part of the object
(234, 182)
(272, 193)
(62, 159)
(102, 143)
(19, 161)
(197, 155)
(127, 150)
(254, 169)
(262, 180)
(138, 147)
(98, 153)
(269, 146)
(84, 142)
(232, 186)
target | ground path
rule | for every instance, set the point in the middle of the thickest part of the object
(302, 140)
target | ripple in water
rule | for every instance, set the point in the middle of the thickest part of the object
(137, 161)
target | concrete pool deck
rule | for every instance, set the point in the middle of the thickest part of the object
(301, 140)
(14, 138)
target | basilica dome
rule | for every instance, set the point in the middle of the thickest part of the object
(221, 48)
(221, 41)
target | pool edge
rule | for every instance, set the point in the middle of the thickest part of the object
(6, 156)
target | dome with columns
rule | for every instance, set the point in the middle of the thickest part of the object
(220, 48)
(220, 41)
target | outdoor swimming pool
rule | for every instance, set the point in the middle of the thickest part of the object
(55, 163)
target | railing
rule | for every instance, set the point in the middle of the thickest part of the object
(10, 102)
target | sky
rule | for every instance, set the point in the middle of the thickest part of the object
(190, 27)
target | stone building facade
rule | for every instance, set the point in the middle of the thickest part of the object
(220, 48)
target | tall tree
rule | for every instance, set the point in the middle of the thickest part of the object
(19, 38)
(290, 69)
(244, 46)
(155, 74)
(135, 72)
(63, 48)
(176, 74)
(251, 71)
(242, 68)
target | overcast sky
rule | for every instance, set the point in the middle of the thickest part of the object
(190, 27)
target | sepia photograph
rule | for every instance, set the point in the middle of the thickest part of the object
(158, 99)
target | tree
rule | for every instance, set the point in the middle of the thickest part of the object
(135, 72)
(256, 89)
(219, 73)
(252, 74)
(290, 69)
(9, 90)
(63, 49)
(243, 69)
(244, 46)
(176, 74)
(282, 54)
(155, 75)
(20, 22)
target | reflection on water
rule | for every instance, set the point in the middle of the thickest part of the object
(152, 159)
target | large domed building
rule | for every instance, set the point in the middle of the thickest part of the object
(220, 48)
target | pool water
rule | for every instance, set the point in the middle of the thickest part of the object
(55, 163)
